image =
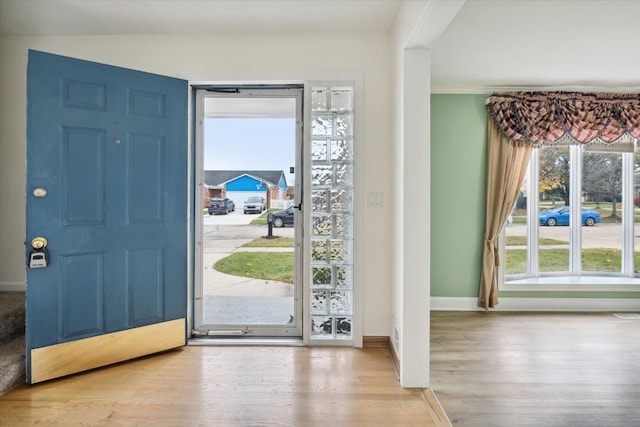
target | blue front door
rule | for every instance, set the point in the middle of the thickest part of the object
(107, 189)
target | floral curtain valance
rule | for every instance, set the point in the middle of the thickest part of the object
(547, 117)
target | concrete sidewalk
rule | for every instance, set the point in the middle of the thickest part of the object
(217, 283)
(237, 300)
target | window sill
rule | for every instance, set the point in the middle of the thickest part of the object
(574, 284)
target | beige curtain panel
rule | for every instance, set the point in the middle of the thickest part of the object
(518, 121)
(507, 164)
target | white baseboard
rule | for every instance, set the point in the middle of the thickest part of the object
(12, 287)
(538, 304)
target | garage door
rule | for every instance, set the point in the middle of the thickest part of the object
(239, 197)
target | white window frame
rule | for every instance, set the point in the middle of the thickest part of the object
(575, 279)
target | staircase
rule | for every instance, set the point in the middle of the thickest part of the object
(12, 344)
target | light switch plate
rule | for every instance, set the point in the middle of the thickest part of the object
(375, 199)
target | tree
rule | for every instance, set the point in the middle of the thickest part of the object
(554, 172)
(602, 177)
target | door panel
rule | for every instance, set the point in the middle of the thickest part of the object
(109, 146)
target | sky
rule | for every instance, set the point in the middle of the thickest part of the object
(250, 144)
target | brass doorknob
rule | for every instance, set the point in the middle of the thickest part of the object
(39, 243)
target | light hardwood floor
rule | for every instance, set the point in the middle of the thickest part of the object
(536, 369)
(230, 386)
(487, 369)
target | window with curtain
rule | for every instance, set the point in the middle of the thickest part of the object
(576, 215)
(562, 166)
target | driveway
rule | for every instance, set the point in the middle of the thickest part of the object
(236, 217)
(599, 236)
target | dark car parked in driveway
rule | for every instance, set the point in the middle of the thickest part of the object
(221, 206)
(282, 218)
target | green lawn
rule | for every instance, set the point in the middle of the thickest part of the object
(276, 266)
(522, 241)
(276, 242)
(605, 260)
(279, 265)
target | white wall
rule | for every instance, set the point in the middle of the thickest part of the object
(221, 57)
(410, 242)
(418, 24)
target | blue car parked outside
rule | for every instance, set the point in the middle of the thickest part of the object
(560, 216)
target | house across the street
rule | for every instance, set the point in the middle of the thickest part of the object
(239, 185)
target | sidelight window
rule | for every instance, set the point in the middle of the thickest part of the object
(332, 213)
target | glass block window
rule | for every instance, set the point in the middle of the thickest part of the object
(331, 213)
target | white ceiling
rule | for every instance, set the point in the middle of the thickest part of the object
(561, 45)
(489, 45)
(58, 17)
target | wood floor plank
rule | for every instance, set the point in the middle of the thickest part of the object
(228, 386)
(536, 369)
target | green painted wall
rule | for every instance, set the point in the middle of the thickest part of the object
(458, 174)
(458, 171)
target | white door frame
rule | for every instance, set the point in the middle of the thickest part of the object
(308, 80)
(294, 91)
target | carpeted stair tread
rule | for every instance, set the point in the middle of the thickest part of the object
(12, 364)
(12, 315)
(12, 340)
